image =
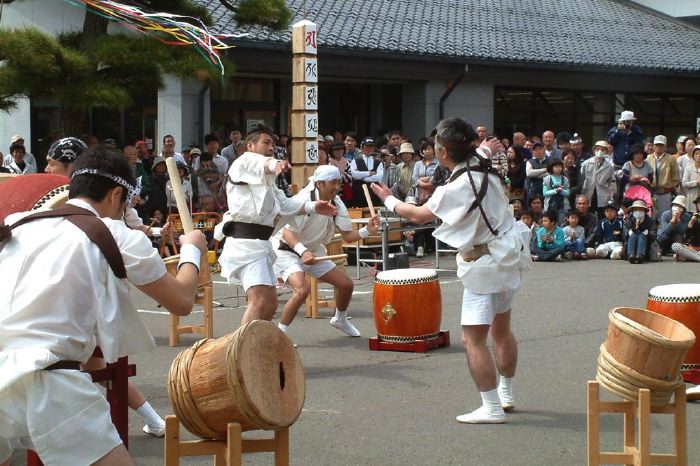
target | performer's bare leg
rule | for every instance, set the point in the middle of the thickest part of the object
(505, 346)
(117, 457)
(483, 371)
(345, 286)
(300, 291)
(479, 358)
(262, 303)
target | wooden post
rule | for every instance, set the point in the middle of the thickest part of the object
(304, 102)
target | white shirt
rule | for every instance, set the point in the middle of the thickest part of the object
(314, 231)
(259, 201)
(59, 298)
(364, 175)
(509, 254)
(177, 156)
(220, 162)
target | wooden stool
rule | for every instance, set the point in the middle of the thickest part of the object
(639, 454)
(205, 298)
(117, 376)
(313, 303)
(227, 452)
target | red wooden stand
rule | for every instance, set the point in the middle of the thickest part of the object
(415, 346)
(116, 376)
(691, 376)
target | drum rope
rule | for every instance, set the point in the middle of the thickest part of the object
(181, 394)
(626, 382)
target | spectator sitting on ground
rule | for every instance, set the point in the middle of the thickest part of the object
(638, 229)
(555, 188)
(689, 249)
(574, 234)
(550, 240)
(608, 235)
(527, 221)
(517, 204)
(672, 224)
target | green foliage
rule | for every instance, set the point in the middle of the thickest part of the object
(270, 13)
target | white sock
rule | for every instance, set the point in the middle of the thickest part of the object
(505, 383)
(149, 415)
(283, 327)
(491, 400)
(341, 315)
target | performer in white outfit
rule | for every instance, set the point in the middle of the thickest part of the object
(302, 238)
(253, 205)
(493, 252)
(60, 296)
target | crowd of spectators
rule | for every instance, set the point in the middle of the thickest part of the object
(628, 197)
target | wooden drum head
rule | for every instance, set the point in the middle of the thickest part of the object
(269, 376)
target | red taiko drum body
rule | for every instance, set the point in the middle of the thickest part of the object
(680, 302)
(33, 192)
(407, 305)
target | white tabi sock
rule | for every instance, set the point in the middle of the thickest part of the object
(149, 415)
(341, 315)
(505, 392)
(283, 327)
(490, 411)
(491, 400)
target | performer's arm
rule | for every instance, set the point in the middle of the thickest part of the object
(419, 215)
(289, 237)
(372, 228)
(177, 294)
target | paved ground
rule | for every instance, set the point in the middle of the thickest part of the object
(391, 408)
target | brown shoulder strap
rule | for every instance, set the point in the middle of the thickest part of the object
(92, 226)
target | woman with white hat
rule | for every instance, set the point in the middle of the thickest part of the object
(638, 232)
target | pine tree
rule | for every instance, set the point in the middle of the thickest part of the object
(90, 68)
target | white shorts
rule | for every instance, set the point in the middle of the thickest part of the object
(61, 415)
(481, 309)
(256, 273)
(288, 263)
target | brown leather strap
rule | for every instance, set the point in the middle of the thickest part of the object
(92, 226)
(69, 365)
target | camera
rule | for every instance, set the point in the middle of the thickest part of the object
(628, 125)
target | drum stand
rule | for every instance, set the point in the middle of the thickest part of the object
(227, 452)
(412, 346)
(205, 297)
(641, 410)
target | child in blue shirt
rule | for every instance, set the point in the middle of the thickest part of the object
(575, 237)
(550, 240)
(609, 234)
(555, 188)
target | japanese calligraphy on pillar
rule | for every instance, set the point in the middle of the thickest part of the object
(305, 122)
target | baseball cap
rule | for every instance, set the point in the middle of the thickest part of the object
(537, 143)
(660, 139)
(16, 138)
(368, 142)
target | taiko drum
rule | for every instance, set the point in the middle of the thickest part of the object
(407, 305)
(253, 377)
(680, 302)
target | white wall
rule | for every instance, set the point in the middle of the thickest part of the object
(676, 8)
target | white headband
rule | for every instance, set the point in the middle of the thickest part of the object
(326, 173)
(132, 191)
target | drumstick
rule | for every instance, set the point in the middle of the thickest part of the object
(369, 200)
(176, 184)
(332, 258)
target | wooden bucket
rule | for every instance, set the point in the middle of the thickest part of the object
(643, 350)
(253, 376)
(680, 302)
(407, 305)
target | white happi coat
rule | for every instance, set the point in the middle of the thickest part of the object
(259, 201)
(59, 298)
(509, 253)
(314, 231)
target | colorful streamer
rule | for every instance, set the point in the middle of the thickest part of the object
(168, 28)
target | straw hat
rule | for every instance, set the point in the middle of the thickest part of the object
(638, 204)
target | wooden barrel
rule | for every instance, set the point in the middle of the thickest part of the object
(643, 350)
(680, 302)
(407, 305)
(253, 377)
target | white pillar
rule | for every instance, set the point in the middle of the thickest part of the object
(17, 121)
(178, 111)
